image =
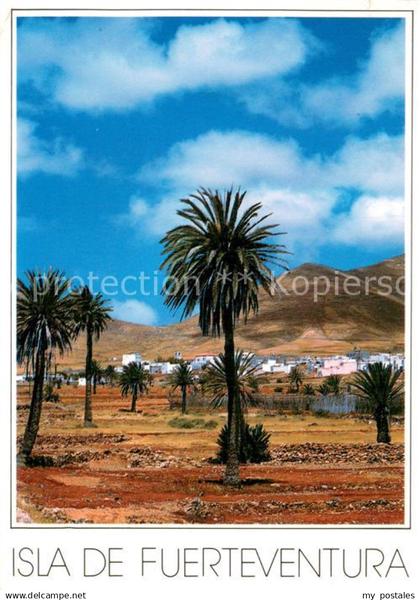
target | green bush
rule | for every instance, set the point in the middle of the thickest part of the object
(49, 394)
(254, 445)
(186, 423)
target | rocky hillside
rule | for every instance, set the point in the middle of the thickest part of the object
(316, 309)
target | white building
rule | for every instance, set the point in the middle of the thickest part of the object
(337, 365)
(396, 361)
(163, 368)
(81, 382)
(267, 365)
(201, 360)
(131, 357)
(281, 368)
(270, 365)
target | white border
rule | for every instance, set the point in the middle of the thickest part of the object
(280, 13)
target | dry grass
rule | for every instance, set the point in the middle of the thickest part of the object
(150, 425)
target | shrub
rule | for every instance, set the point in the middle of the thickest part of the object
(278, 389)
(254, 445)
(319, 412)
(308, 389)
(185, 423)
(49, 394)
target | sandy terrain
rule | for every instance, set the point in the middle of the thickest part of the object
(136, 468)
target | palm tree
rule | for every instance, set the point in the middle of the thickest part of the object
(323, 389)
(134, 380)
(97, 373)
(182, 377)
(91, 314)
(248, 379)
(334, 383)
(379, 385)
(110, 374)
(296, 378)
(216, 260)
(308, 389)
(44, 325)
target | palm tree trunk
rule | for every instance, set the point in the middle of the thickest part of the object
(184, 400)
(94, 384)
(382, 425)
(88, 419)
(32, 426)
(232, 476)
(133, 402)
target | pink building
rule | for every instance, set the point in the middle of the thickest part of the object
(339, 365)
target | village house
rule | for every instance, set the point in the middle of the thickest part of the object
(337, 365)
(201, 360)
(162, 368)
(134, 357)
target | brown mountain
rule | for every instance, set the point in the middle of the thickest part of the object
(315, 310)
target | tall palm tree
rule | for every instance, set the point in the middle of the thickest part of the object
(182, 377)
(97, 373)
(44, 325)
(380, 386)
(134, 380)
(248, 380)
(296, 377)
(91, 314)
(217, 259)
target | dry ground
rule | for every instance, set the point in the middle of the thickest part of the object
(135, 468)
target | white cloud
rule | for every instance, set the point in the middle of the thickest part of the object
(113, 64)
(375, 164)
(302, 193)
(376, 87)
(54, 157)
(134, 311)
(220, 159)
(371, 220)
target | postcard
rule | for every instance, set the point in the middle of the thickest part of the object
(209, 295)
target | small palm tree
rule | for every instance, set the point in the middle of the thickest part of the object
(323, 389)
(248, 379)
(217, 260)
(97, 373)
(91, 314)
(182, 377)
(308, 389)
(379, 385)
(44, 325)
(296, 378)
(110, 375)
(334, 384)
(134, 380)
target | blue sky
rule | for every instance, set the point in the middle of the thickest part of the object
(120, 118)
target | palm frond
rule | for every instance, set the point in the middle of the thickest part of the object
(217, 259)
(247, 377)
(44, 315)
